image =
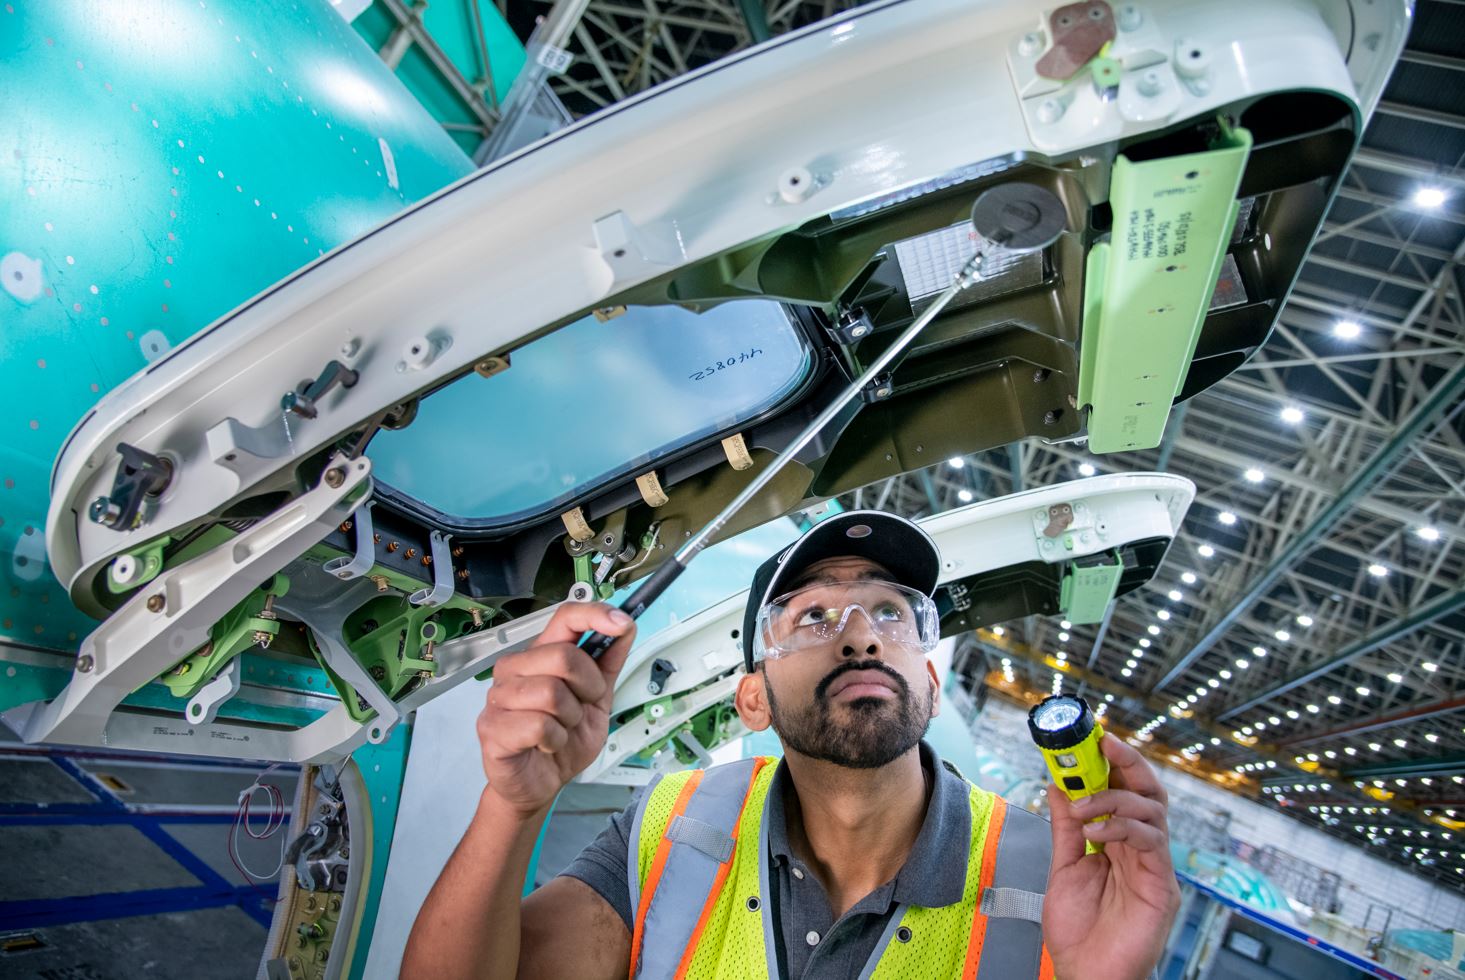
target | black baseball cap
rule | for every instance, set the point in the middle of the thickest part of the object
(899, 545)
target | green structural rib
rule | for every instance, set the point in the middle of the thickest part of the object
(1146, 291)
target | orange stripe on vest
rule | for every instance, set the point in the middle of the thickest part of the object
(653, 878)
(717, 883)
(989, 868)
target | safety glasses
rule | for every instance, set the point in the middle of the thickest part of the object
(817, 615)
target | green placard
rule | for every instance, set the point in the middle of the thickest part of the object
(1086, 591)
(1147, 290)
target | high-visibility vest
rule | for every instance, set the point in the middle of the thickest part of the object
(698, 875)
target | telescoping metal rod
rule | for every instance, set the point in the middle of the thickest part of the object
(1014, 218)
(596, 644)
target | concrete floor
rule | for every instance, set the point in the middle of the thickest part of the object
(48, 861)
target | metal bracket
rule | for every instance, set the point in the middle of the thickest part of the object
(879, 389)
(347, 568)
(314, 601)
(205, 705)
(689, 742)
(140, 477)
(442, 573)
(853, 325)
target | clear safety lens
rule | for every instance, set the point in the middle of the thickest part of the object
(816, 615)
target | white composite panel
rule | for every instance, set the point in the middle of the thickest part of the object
(884, 98)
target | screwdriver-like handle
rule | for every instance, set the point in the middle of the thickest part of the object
(648, 592)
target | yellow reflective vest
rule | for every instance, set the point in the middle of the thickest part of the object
(698, 876)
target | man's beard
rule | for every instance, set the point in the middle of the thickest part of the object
(880, 731)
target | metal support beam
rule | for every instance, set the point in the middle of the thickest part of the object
(1103, 632)
(1385, 721)
(411, 22)
(1014, 466)
(1404, 438)
(553, 32)
(1418, 114)
(1388, 633)
(757, 19)
(1173, 429)
(1440, 765)
(1406, 167)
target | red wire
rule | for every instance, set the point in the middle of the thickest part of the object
(275, 820)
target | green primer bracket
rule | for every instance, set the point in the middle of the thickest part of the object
(1088, 587)
(1147, 290)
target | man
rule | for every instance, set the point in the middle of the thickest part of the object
(858, 855)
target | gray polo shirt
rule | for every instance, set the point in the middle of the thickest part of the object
(811, 944)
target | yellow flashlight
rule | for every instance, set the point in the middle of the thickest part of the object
(1068, 735)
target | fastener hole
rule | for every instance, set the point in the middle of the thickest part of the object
(903, 934)
(753, 903)
(1192, 175)
(619, 253)
(736, 634)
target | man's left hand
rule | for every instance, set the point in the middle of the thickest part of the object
(1107, 915)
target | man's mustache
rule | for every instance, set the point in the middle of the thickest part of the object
(822, 690)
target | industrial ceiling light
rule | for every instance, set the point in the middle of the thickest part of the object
(1226, 517)
(1206, 551)
(1334, 699)
(1429, 667)
(1292, 415)
(1282, 635)
(1144, 643)
(956, 462)
(1064, 624)
(1377, 570)
(1259, 651)
(1163, 614)
(1304, 620)
(1428, 533)
(1176, 595)
(1188, 578)
(1429, 197)
(999, 631)
(1254, 475)
(1274, 720)
(1086, 469)
(1363, 692)
(1395, 678)
(1127, 672)
(1242, 664)
(1347, 329)
(964, 495)
(1293, 714)
(1152, 629)
(1136, 652)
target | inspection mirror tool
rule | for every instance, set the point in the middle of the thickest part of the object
(1067, 733)
(1013, 218)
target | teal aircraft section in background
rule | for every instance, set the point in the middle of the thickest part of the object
(159, 168)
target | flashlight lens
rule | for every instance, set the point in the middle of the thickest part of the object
(1054, 716)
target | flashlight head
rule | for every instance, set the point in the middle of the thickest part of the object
(1060, 722)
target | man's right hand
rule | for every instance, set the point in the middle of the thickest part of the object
(548, 709)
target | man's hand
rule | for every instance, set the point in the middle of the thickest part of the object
(1107, 916)
(548, 708)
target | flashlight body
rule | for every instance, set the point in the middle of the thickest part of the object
(1072, 753)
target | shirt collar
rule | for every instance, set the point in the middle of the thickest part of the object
(930, 878)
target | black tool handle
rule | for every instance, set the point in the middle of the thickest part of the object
(648, 592)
